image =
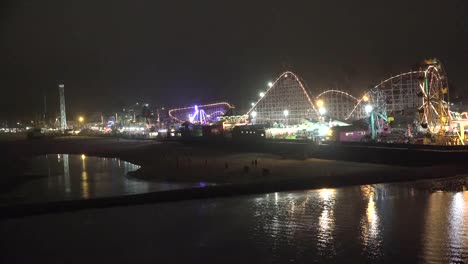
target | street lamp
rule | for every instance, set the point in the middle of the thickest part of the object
(253, 114)
(322, 111)
(368, 108)
(81, 119)
(261, 94)
(321, 108)
(365, 98)
(320, 103)
(270, 84)
(252, 104)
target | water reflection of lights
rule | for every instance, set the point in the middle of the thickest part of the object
(292, 206)
(457, 227)
(458, 203)
(372, 217)
(370, 222)
(327, 194)
(326, 219)
(293, 217)
(66, 173)
(84, 184)
(130, 167)
(326, 223)
(435, 228)
(83, 162)
(84, 178)
(278, 215)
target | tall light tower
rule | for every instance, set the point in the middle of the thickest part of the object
(63, 116)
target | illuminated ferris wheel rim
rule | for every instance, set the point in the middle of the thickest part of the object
(274, 85)
(435, 120)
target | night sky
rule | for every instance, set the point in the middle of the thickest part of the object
(176, 53)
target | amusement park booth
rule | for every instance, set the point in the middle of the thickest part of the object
(348, 134)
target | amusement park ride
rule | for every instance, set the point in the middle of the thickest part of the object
(436, 121)
(202, 114)
(434, 111)
(419, 98)
(415, 102)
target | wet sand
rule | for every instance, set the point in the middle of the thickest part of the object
(174, 161)
(232, 169)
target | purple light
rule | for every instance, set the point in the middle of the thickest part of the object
(198, 116)
(192, 117)
(212, 111)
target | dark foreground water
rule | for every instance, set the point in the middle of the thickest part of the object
(394, 223)
(58, 177)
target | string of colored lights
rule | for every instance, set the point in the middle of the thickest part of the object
(336, 91)
(216, 113)
(458, 116)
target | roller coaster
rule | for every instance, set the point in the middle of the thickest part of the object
(418, 99)
(202, 114)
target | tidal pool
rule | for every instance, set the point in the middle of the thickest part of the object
(61, 177)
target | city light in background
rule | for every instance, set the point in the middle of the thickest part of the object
(289, 105)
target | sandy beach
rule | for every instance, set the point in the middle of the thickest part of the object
(179, 162)
(228, 170)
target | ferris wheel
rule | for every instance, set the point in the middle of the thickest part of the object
(433, 113)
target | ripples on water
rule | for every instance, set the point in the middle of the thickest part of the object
(393, 223)
(423, 222)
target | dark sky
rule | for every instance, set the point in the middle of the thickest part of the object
(109, 53)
